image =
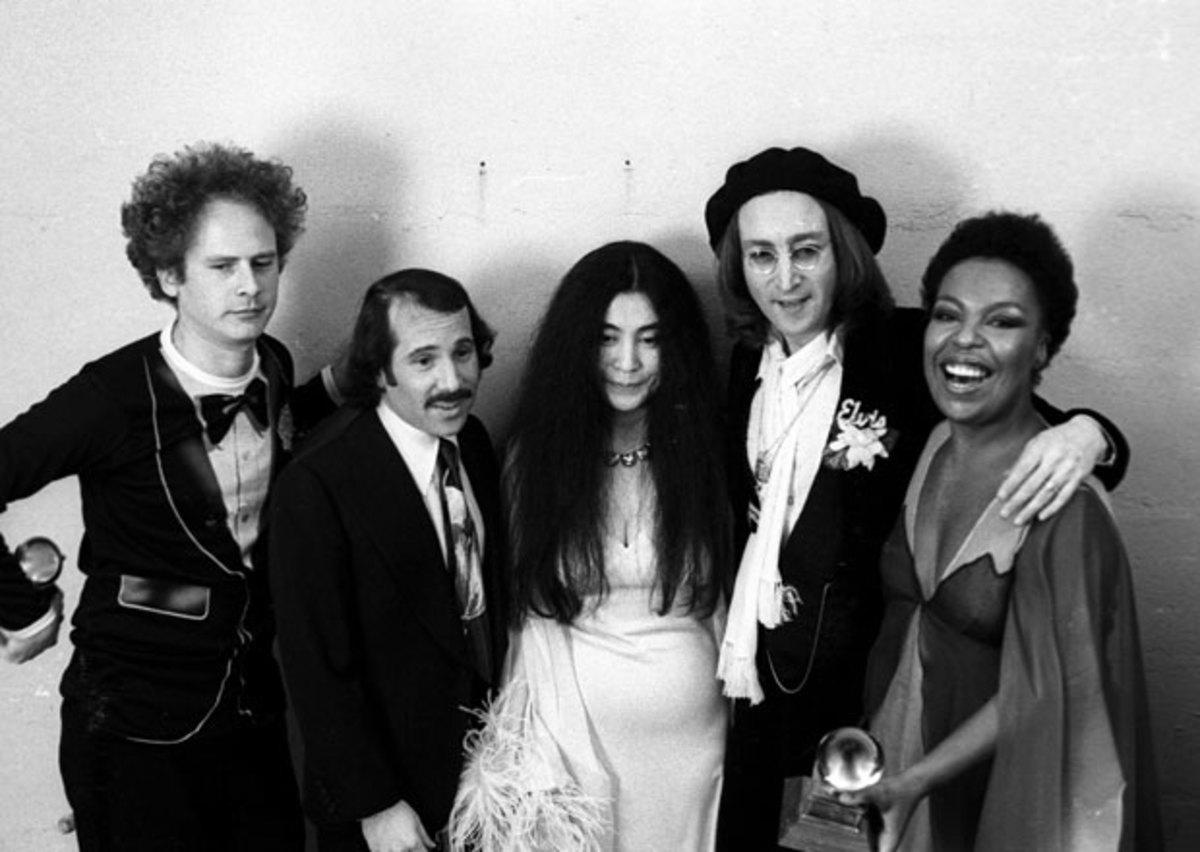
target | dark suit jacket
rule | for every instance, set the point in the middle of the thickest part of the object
(372, 646)
(832, 555)
(172, 633)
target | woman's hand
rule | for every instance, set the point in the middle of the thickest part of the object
(896, 798)
(1050, 468)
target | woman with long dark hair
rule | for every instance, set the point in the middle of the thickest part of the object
(620, 537)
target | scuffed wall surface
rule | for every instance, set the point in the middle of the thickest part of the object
(498, 141)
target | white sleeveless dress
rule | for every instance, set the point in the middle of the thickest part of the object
(654, 705)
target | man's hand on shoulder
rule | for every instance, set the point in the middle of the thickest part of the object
(18, 648)
(1050, 468)
(397, 829)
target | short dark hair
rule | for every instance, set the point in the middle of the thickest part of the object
(160, 218)
(1027, 243)
(861, 287)
(373, 342)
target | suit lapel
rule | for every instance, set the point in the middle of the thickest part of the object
(834, 498)
(185, 471)
(398, 524)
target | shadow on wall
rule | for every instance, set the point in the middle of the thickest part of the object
(924, 191)
(352, 175)
(511, 291)
(688, 249)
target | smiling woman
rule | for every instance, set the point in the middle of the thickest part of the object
(985, 342)
(1015, 641)
(611, 724)
(828, 412)
(629, 352)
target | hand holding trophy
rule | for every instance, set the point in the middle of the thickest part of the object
(848, 760)
(41, 562)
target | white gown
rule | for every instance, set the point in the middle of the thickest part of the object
(651, 696)
(609, 734)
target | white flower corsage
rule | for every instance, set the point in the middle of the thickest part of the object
(859, 438)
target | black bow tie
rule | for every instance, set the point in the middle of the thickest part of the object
(219, 409)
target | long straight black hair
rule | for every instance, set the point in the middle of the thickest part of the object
(561, 430)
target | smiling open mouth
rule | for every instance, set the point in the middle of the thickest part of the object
(961, 376)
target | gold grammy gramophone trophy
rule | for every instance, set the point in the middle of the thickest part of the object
(848, 759)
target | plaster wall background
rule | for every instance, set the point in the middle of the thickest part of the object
(498, 141)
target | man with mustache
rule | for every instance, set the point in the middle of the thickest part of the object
(173, 730)
(386, 538)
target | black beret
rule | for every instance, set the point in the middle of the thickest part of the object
(800, 170)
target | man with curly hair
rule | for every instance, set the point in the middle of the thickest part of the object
(173, 733)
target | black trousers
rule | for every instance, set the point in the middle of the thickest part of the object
(770, 742)
(233, 791)
(754, 771)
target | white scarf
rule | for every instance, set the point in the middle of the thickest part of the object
(789, 424)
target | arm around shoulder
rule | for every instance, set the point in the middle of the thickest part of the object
(1055, 462)
(1110, 450)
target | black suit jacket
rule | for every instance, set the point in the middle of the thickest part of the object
(373, 649)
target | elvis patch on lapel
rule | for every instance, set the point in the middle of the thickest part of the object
(858, 437)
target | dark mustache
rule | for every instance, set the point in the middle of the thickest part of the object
(449, 397)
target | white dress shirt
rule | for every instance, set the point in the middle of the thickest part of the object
(242, 461)
(420, 451)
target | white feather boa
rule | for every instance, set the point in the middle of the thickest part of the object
(532, 781)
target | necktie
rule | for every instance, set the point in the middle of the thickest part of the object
(462, 556)
(462, 545)
(219, 409)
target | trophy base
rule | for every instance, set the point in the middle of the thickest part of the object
(814, 823)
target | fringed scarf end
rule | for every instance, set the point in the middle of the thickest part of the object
(740, 677)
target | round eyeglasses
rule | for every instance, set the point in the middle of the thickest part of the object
(805, 257)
